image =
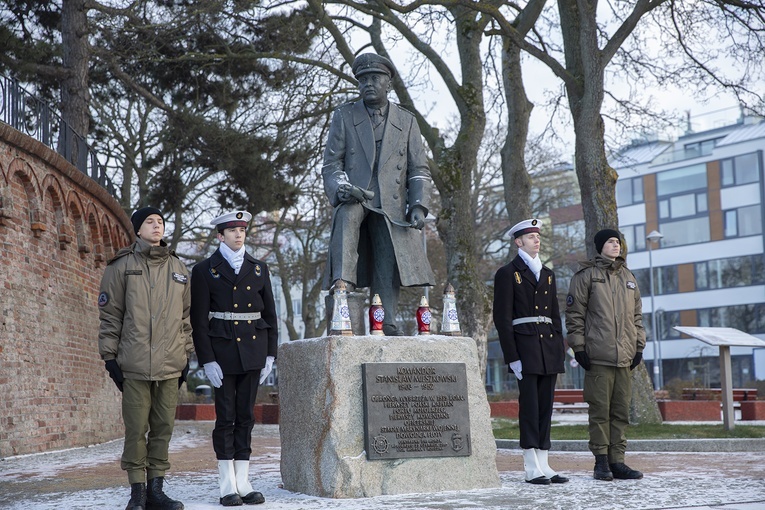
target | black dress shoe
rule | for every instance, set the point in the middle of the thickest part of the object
(540, 480)
(559, 479)
(253, 498)
(231, 500)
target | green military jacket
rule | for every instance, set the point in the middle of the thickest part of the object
(144, 307)
(604, 312)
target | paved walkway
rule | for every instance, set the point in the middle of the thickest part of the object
(90, 478)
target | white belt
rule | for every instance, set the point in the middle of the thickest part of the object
(231, 316)
(524, 320)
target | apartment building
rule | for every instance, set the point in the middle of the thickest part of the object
(704, 194)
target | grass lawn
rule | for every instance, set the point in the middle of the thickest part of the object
(508, 429)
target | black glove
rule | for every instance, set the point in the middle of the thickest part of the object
(583, 359)
(184, 375)
(636, 360)
(115, 372)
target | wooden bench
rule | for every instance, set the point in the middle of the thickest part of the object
(739, 394)
(569, 400)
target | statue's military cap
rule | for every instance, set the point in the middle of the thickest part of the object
(372, 63)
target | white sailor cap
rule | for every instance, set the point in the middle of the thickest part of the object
(231, 220)
(525, 227)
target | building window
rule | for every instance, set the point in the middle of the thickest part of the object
(682, 180)
(747, 318)
(683, 197)
(664, 323)
(732, 272)
(744, 221)
(740, 170)
(678, 233)
(698, 149)
(665, 280)
(681, 206)
(634, 237)
(297, 307)
(629, 191)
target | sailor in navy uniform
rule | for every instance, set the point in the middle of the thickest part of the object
(528, 322)
(235, 335)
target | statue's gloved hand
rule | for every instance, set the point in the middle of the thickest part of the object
(417, 217)
(345, 193)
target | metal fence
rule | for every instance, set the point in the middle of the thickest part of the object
(34, 117)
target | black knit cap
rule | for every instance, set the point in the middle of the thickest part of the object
(603, 236)
(141, 214)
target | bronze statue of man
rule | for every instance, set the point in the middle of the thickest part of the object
(377, 178)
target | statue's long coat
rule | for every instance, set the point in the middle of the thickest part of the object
(403, 178)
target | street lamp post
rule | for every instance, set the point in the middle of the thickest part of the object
(652, 238)
(660, 314)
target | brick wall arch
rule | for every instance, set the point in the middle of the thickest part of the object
(57, 229)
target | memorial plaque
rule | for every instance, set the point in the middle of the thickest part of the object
(415, 410)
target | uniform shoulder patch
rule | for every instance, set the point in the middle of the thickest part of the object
(258, 270)
(569, 300)
(103, 299)
(631, 285)
(180, 278)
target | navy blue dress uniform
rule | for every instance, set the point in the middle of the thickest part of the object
(527, 318)
(234, 321)
(238, 346)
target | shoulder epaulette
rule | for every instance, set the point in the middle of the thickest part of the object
(403, 110)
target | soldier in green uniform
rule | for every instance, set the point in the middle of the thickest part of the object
(145, 340)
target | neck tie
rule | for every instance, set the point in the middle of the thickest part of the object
(377, 117)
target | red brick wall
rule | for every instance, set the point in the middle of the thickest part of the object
(57, 229)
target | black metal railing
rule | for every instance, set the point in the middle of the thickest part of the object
(34, 117)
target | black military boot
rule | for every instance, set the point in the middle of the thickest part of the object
(623, 472)
(602, 471)
(156, 499)
(137, 497)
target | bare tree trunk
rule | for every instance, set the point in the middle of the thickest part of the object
(643, 408)
(517, 182)
(75, 95)
(453, 175)
(515, 176)
(597, 180)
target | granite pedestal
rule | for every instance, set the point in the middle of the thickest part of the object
(322, 419)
